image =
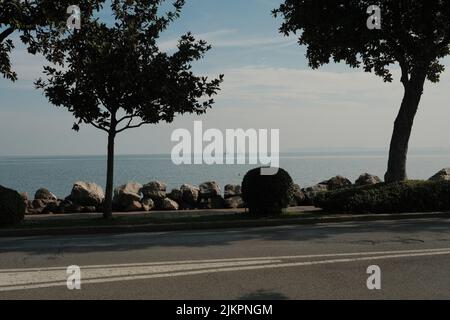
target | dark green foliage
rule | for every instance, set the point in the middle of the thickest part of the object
(267, 194)
(115, 77)
(414, 34)
(398, 197)
(12, 207)
(35, 21)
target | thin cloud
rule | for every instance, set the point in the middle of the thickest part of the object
(229, 38)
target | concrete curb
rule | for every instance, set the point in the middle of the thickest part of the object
(186, 226)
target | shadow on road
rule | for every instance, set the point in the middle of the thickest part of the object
(368, 233)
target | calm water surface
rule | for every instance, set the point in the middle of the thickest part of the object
(58, 173)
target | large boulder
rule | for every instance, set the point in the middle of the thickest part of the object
(190, 194)
(126, 196)
(168, 204)
(67, 206)
(176, 195)
(44, 194)
(134, 206)
(154, 190)
(216, 202)
(12, 207)
(232, 190)
(234, 202)
(209, 189)
(38, 206)
(53, 207)
(443, 175)
(87, 194)
(337, 182)
(367, 179)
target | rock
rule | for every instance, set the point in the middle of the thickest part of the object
(53, 207)
(87, 194)
(154, 190)
(12, 207)
(168, 204)
(337, 182)
(134, 206)
(190, 194)
(25, 198)
(216, 202)
(232, 191)
(443, 175)
(147, 204)
(68, 206)
(176, 195)
(209, 190)
(126, 195)
(367, 179)
(299, 197)
(311, 193)
(44, 194)
(234, 202)
(30, 208)
(38, 206)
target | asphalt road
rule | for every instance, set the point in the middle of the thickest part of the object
(295, 262)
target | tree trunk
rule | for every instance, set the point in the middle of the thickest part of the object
(107, 206)
(402, 128)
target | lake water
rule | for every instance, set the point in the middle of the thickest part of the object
(27, 174)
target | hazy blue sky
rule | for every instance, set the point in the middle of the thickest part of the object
(267, 85)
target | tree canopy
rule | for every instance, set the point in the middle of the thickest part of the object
(34, 20)
(119, 68)
(113, 75)
(414, 33)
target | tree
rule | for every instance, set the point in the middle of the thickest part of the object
(415, 34)
(34, 20)
(116, 78)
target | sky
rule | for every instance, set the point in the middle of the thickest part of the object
(268, 85)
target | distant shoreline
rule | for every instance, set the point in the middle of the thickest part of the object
(306, 152)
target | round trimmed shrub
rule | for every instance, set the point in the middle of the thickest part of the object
(12, 207)
(267, 194)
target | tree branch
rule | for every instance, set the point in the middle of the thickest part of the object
(132, 127)
(125, 118)
(6, 33)
(99, 126)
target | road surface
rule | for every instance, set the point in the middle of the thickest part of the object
(295, 262)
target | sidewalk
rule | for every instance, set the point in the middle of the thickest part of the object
(162, 221)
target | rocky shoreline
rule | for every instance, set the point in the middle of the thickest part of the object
(88, 197)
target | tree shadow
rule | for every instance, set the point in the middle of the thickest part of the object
(365, 233)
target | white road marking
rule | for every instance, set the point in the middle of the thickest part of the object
(38, 276)
(21, 279)
(310, 256)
